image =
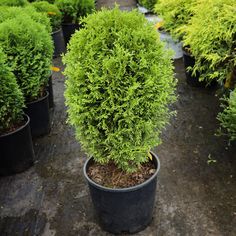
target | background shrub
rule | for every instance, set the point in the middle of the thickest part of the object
(227, 118)
(73, 10)
(212, 39)
(175, 14)
(50, 1)
(29, 11)
(120, 81)
(51, 11)
(149, 4)
(11, 98)
(29, 50)
(20, 3)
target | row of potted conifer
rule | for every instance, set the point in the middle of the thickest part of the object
(26, 33)
(207, 29)
(26, 55)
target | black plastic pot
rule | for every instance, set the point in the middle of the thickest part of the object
(59, 44)
(38, 111)
(189, 61)
(192, 80)
(50, 92)
(126, 210)
(16, 150)
(69, 29)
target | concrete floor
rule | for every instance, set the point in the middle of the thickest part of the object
(193, 197)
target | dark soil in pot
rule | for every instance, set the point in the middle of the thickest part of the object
(101, 174)
(16, 150)
(68, 30)
(59, 44)
(124, 210)
(38, 111)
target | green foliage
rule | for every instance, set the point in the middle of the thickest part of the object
(20, 3)
(51, 11)
(11, 12)
(120, 81)
(176, 14)
(73, 10)
(29, 49)
(211, 35)
(227, 118)
(50, 1)
(11, 98)
(149, 4)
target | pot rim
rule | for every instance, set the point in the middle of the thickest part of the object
(56, 31)
(39, 99)
(129, 189)
(27, 121)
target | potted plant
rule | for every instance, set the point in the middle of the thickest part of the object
(120, 83)
(16, 149)
(72, 11)
(11, 3)
(211, 37)
(227, 117)
(29, 11)
(176, 15)
(29, 50)
(55, 17)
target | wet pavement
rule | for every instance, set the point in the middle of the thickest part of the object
(196, 191)
(123, 4)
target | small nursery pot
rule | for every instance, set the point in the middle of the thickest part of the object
(59, 44)
(16, 150)
(50, 92)
(126, 210)
(38, 111)
(69, 29)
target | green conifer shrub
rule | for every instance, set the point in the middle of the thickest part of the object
(227, 117)
(175, 14)
(120, 82)
(73, 10)
(51, 11)
(50, 1)
(28, 11)
(11, 3)
(11, 98)
(29, 49)
(211, 36)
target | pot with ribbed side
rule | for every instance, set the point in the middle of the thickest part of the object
(38, 111)
(16, 150)
(125, 210)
